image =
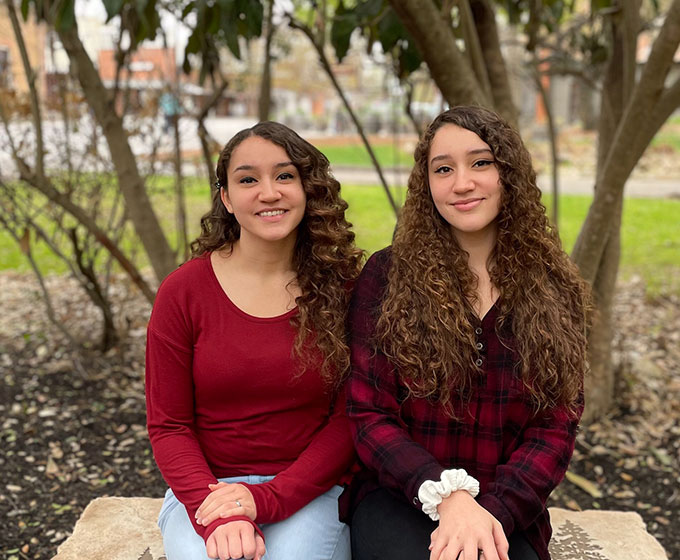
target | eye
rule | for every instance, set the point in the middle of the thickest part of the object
(247, 180)
(483, 163)
(286, 176)
(443, 169)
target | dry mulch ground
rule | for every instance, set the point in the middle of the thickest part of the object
(70, 434)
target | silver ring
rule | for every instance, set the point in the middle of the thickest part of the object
(238, 503)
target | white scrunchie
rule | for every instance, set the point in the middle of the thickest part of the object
(432, 493)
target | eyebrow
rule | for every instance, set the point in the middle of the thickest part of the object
(470, 153)
(251, 167)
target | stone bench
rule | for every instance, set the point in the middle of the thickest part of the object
(125, 529)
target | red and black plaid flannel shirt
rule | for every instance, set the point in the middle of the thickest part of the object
(517, 456)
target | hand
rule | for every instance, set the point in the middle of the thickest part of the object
(236, 539)
(223, 501)
(466, 529)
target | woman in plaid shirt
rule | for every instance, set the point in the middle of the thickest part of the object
(469, 351)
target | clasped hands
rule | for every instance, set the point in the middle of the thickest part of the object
(236, 539)
(467, 530)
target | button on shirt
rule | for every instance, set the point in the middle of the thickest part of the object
(518, 457)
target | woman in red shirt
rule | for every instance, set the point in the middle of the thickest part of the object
(246, 354)
(468, 350)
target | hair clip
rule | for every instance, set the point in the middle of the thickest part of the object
(218, 185)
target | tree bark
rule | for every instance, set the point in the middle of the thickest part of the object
(473, 47)
(601, 382)
(264, 102)
(130, 182)
(487, 31)
(436, 43)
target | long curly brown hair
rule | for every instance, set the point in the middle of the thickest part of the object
(426, 325)
(325, 257)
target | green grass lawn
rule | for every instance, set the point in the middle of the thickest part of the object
(669, 135)
(355, 155)
(650, 237)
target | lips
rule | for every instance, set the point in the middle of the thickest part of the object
(467, 204)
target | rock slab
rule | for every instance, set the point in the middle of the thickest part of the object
(116, 529)
(602, 535)
(125, 529)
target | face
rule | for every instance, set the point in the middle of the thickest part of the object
(264, 191)
(464, 181)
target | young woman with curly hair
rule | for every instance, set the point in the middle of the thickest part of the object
(469, 351)
(246, 355)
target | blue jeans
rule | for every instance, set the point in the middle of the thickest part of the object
(312, 533)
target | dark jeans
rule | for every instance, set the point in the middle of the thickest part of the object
(387, 528)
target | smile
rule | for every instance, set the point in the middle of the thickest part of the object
(270, 213)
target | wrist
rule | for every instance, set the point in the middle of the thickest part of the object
(431, 493)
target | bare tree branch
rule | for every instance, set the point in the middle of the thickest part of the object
(30, 78)
(296, 24)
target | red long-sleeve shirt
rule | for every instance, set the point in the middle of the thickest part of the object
(517, 456)
(225, 397)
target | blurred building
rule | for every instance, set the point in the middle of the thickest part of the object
(12, 73)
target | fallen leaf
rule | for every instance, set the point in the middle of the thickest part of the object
(584, 484)
(51, 469)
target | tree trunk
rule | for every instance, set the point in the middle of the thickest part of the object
(264, 103)
(436, 43)
(130, 182)
(601, 382)
(473, 46)
(485, 20)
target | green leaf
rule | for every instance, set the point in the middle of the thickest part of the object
(344, 24)
(597, 5)
(193, 44)
(390, 30)
(409, 59)
(250, 17)
(66, 16)
(368, 9)
(514, 11)
(230, 34)
(113, 8)
(24, 8)
(187, 10)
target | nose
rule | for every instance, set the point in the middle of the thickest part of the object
(269, 191)
(462, 182)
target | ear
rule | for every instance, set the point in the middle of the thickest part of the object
(224, 196)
